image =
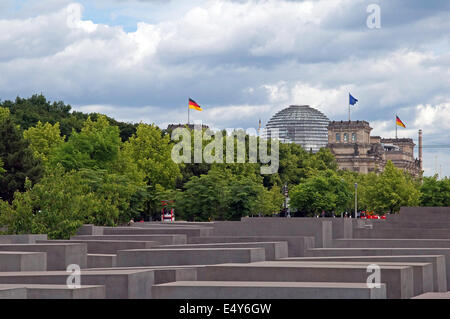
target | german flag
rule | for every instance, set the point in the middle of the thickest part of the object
(194, 105)
(399, 122)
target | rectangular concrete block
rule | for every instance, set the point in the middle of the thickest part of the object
(391, 243)
(161, 238)
(13, 293)
(60, 291)
(398, 279)
(319, 228)
(90, 230)
(101, 260)
(188, 256)
(59, 256)
(273, 250)
(119, 284)
(402, 233)
(434, 295)
(437, 262)
(188, 231)
(21, 239)
(266, 290)
(422, 272)
(106, 246)
(328, 252)
(163, 274)
(297, 245)
(23, 261)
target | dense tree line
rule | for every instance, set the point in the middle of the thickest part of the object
(60, 169)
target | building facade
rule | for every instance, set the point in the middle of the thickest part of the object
(357, 151)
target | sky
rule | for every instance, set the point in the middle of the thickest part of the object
(241, 60)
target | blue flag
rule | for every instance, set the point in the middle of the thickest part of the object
(352, 100)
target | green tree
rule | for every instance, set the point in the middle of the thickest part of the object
(18, 161)
(96, 146)
(393, 189)
(4, 114)
(62, 201)
(43, 138)
(205, 197)
(325, 191)
(2, 170)
(152, 153)
(269, 202)
(434, 192)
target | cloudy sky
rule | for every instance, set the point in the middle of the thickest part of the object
(140, 60)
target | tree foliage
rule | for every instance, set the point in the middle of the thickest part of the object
(435, 192)
(43, 139)
(61, 202)
(325, 191)
(392, 189)
(18, 161)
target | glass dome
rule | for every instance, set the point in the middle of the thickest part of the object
(300, 124)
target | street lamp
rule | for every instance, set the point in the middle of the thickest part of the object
(356, 200)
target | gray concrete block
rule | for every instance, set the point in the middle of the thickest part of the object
(398, 279)
(319, 228)
(297, 245)
(273, 250)
(161, 238)
(391, 243)
(177, 223)
(188, 231)
(13, 293)
(59, 256)
(425, 213)
(23, 261)
(266, 290)
(437, 262)
(106, 246)
(422, 272)
(187, 256)
(21, 239)
(119, 284)
(59, 291)
(328, 252)
(402, 233)
(90, 230)
(163, 274)
(433, 295)
(101, 260)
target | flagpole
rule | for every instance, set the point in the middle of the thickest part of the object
(188, 114)
(349, 112)
(396, 126)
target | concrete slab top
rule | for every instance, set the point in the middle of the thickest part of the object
(64, 273)
(194, 249)
(38, 286)
(392, 239)
(78, 241)
(230, 244)
(359, 257)
(266, 284)
(268, 264)
(148, 268)
(40, 245)
(379, 248)
(102, 255)
(381, 263)
(21, 252)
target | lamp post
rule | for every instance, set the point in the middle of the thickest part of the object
(356, 200)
